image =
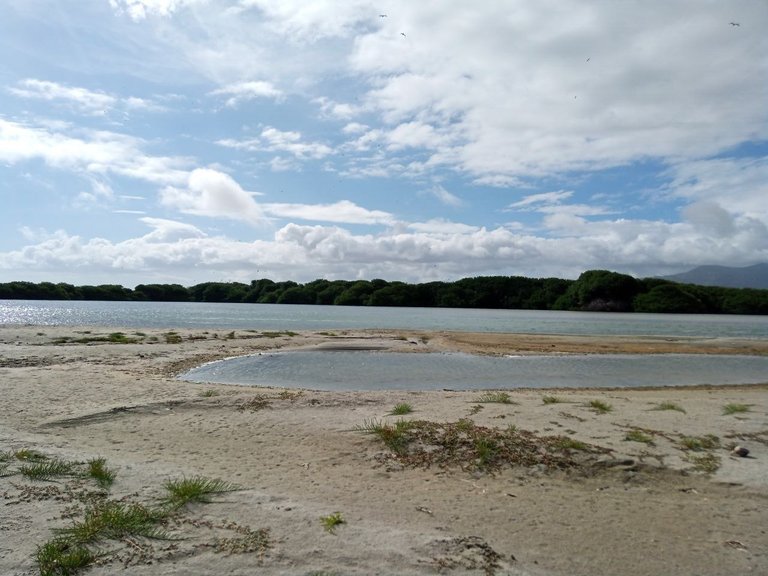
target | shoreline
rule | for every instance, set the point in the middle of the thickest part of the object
(300, 454)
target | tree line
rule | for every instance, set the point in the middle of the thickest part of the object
(594, 290)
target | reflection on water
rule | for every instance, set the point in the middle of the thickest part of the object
(345, 370)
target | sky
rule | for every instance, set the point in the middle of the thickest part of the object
(186, 141)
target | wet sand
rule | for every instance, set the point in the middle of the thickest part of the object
(632, 507)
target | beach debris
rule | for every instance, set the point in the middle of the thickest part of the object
(740, 451)
(424, 509)
(735, 544)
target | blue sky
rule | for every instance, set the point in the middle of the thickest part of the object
(208, 140)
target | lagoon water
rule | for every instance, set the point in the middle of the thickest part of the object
(300, 317)
(365, 370)
(374, 370)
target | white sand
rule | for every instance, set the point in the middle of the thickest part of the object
(300, 458)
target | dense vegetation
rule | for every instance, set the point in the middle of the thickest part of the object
(595, 290)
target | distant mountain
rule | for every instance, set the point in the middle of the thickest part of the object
(749, 277)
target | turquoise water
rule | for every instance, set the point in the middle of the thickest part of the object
(299, 317)
(365, 370)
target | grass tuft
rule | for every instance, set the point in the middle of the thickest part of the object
(208, 393)
(112, 520)
(29, 455)
(401, 409)
(495, 398)
(669, 406)
(708, 463)
(195, 489)
(639, 436)
(332, 521)
(735, 408)
(97, 469)
(552, 400)
(47, 469)
(600, 407)
(699, 443)
(59, 557)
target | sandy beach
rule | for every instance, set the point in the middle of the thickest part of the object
(608, 482)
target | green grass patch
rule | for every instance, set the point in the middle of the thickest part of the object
(172, 338)
(208, 393)
(708, 463)
(48, 469)
(97, 469)
(420, 443)
(600, 407)
(669, 406)
(639, 436)
(332, 521)
(113, 520)
(195, 489)
(495, 398)
(699, 443)
(27, 455)
(401, 409)
(735, 408)
(60, 557)
(551, 400)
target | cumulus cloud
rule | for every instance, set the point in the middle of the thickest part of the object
(213, 194)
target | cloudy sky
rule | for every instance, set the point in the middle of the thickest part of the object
(226, 140)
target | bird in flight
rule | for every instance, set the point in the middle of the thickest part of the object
(382, 15)
(735, 24)
(403, 34)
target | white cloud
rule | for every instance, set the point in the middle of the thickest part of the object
(274, 140)
(243, 91)
(343, 211)
(90, 152)
(439, 192)
(535, 201)
(213, 194)
(140, 9)
(88, 101)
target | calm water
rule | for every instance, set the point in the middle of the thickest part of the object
(344, 370)
(371, 370)
(298, 317)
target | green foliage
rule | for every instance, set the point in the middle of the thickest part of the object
(47, 469)
(60, 557)
(551, 400)
(669, 406)
(332, 521)
(401, 409)
(195, 489)
(600, 407)
(594, 290)
(699, 443)
(735, 408)
(495, 398)
(97, 469)
(638, 436)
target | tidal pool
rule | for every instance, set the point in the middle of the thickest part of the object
(368, 370)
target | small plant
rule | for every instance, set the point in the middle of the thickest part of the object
(699, 443)
(401, 409)
(172, 338)
(97, 469)
(708, 463)
(59, 557)
(565, 443)
(551, 400)
(600, 407)
(29, 455)
(208, 393)
(486, 449)
(496, 398)
(669, 406)
(195, 489)
(735, 408)
(112, 520)
(394, 436)
(638, 436)
(288, 395)
(331, 521)
(231, 335)
(475, 409)
(47, 469)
